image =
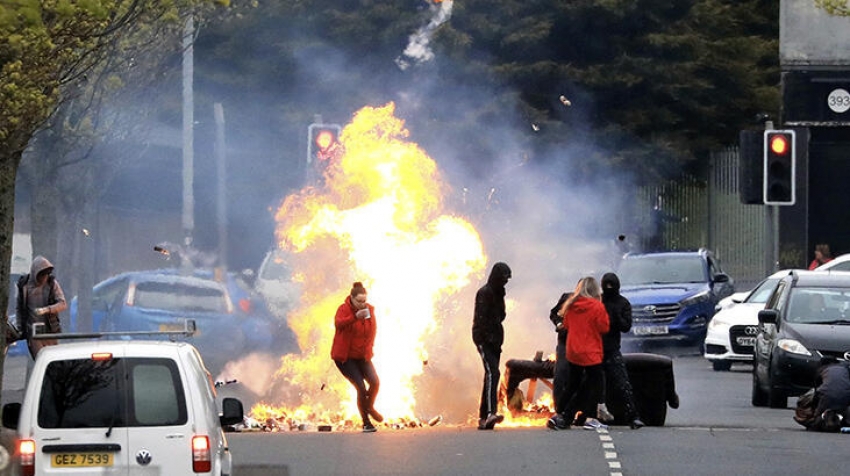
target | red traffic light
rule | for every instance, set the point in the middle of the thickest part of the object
(779, 144)
(325, 139)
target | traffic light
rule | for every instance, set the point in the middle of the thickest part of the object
(323, 143)
(779, 167)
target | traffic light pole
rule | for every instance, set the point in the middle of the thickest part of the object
(771, 230)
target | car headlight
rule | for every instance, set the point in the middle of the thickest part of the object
(696, 299)
(793, 346)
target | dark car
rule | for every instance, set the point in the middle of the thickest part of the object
(673, 294)
(805, 320)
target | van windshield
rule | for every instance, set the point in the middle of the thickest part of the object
(116, 393)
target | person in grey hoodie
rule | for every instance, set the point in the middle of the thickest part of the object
(40, 300)
(488, 336)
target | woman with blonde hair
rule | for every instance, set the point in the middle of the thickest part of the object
(585, 321)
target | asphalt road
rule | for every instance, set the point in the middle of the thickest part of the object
(715, 431)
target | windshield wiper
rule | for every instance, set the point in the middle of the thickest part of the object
(835, 321)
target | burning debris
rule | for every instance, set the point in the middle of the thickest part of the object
(565, 101)
(279, 421)
(378, 214)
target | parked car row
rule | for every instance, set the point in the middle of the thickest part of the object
(160, 300)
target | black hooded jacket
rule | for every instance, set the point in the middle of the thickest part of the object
(490, 308)
(619, 312)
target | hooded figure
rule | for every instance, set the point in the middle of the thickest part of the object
(488, 336)
(619, 312)
(617, 377)
(40, 300)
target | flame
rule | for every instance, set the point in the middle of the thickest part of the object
(378, 217)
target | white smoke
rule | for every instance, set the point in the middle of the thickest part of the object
(417, 49)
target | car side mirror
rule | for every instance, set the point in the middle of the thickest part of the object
(721, 278)
(231, 412)
(11, 415)
(768, 316)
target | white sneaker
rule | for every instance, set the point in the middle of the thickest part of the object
(594, 424)
(603, 415)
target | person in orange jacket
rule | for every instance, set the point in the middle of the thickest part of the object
(585, 320)
(352, 352)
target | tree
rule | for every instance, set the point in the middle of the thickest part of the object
(835, 7)
(48, 49)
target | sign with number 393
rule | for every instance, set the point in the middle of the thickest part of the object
(838, 100)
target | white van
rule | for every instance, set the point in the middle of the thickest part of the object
(121, 407)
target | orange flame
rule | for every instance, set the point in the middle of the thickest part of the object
(378, 217)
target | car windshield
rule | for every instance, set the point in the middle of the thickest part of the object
(116, 393)
(276, 268)
(762, 293)
(662, 270)
(179, 297)
(819, 305)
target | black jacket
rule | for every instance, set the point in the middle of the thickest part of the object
(557, 320)
(619, 312)
(490, 309)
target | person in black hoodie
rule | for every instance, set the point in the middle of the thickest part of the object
(488, 336)
(620, 313)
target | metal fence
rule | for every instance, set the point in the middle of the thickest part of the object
(693, 212)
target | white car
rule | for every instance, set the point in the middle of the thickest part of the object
(732, 331)
(275, 284)
(121, 407)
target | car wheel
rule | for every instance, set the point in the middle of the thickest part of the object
(721, 365)
(777, 398)
(759, 397)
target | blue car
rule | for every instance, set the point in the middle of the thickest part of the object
(20, 347)
(673, 294)
(160, 300)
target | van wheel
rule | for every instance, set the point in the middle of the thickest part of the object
(721, 365)
(759, 398)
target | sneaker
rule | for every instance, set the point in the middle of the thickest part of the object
(603, 415)
(375, 415)
(491, 421)
(369, 428)
(594, 424)
(636, 424)
(557, 422)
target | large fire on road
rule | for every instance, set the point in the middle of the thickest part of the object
(378, 216)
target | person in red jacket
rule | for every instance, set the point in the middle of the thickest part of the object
(352, 352)
(585, 320)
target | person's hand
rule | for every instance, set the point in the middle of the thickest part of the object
(362, 314)
(40, 311)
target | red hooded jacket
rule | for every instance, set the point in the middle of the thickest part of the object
(585, 321)
(354, 337)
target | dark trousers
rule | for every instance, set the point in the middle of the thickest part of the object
(360, 372)
(585, 395)
(490, 390)
(562, 372)
(618, 378)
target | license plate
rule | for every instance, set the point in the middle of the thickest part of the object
(81, 460)
(650, 330)
(749, 341)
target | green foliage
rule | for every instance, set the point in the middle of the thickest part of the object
(835, 7)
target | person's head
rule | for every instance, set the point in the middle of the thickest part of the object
(588, 287)
(500, 274)
(358, 295)
(610, 284)
(822, 252)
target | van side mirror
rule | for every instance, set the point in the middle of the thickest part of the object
(768, 316)
(231, 412)
(11, 415)
(721, 278)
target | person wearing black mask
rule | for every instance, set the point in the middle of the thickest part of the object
(620, 313)
(488, 336)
